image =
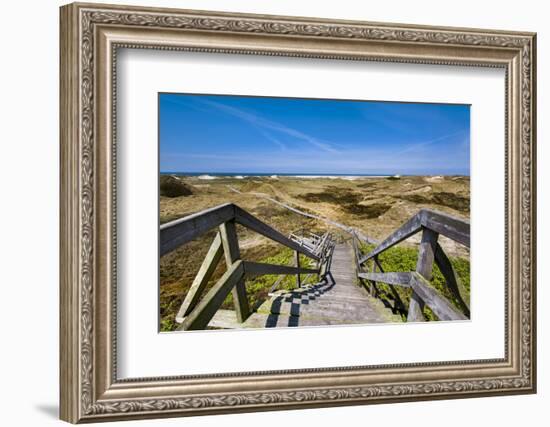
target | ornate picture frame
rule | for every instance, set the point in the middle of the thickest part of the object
(90, 37)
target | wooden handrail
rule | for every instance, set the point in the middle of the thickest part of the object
(196, 312)
(180, 231)
(207, 307)
(442, 223)
(411, 227)
(245, 219)
(175, 233)
(454, 228)
(318, 248)
(398, 278)
(438, 304)
(432, 224)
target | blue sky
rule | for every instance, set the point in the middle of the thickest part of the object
(236, 134)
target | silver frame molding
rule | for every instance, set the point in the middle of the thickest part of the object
(90, 36)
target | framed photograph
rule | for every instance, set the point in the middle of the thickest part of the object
(266, 212)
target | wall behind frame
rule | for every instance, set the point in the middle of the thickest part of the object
(29, 181)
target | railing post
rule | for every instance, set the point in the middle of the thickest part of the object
(454, 285)
(321, 265)
(232, 254)
(374, 289)
(424, 267)
(206, 270)
(205, 310)
(398, 302)
(297, 257)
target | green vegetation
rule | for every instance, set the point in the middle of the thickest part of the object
(401, 258)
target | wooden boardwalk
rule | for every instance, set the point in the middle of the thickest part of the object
(339, 300)
(346, 291)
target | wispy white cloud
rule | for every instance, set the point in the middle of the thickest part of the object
(262, 123)
(178, 156)
(377, 153)
(271, 138)
(424, 144)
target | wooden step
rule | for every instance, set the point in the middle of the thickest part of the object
(339, 301)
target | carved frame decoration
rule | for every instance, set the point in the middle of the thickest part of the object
(90, 36)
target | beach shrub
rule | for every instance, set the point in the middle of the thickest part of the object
(171, 186)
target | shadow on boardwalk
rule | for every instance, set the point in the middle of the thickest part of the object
(297, 299)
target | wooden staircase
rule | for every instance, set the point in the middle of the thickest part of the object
(346, 291)
(337, 301)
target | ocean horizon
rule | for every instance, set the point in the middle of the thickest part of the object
(267, 174)
(298, 174)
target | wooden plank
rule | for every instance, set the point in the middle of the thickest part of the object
(416, 307)
(204, 274)
(276, 283)
(272, 289)
(315, 236)
(297, 261)
(426, 253)
(258, 269)
(321, 244)
(357, 253)
(207, 307)
(396, 296)
(438, 304)
(398, 278)
(374, 288)
(249, 221)
(231, 251)
(306, 245)
(446, 268)
(411, 227)
(225, 319)
(326, 257)
(176, 233)
(424, 267)
(449, 226)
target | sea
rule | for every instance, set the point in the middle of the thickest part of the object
(243, 175)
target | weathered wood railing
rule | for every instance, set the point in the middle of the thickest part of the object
(319, 245)
(197, 310)
(431, 224)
